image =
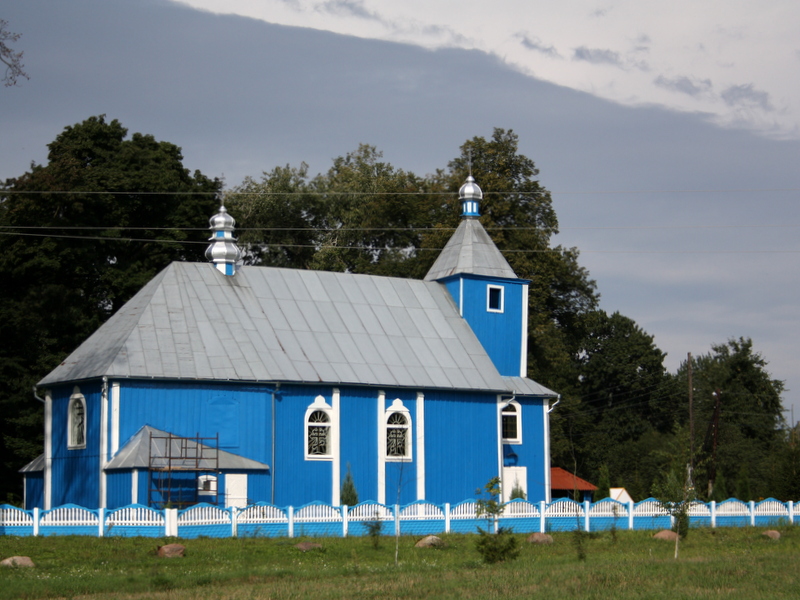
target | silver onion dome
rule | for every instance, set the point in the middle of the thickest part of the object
(470, 194)
(223, 251)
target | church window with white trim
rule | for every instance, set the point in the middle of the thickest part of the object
(511, 423)
(398, 432)
(76, 421)
(318, 425)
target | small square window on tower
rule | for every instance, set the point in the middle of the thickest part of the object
(494, 298)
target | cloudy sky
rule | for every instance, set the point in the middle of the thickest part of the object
(669, 136)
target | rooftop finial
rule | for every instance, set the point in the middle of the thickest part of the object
(470, 195)
(223, 251)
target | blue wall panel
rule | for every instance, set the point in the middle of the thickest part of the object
(461, 444)
(118, 489)
(297, 480)
(530, 453)
(76, 473)
(359, 439)
(500, 333)
(34, 490)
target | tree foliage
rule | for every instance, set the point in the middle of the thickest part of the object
(750, 429)
(83, 234)
(14, 69)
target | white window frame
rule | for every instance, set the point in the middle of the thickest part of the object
(319, 405)
(397, 408)
(502, 291)
(76, 400)
(518, 410)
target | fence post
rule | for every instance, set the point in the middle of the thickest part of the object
(35, 520)
(586, 508)
(397, 519)
(171, 522)
(542, 509)
(345, 518)
(234, 521)
(752, 513)
(101, 519)
(447, 517)
(630, 515)
(290, 514)
(713, 506)
(790, 506)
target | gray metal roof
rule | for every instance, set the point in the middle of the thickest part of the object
(287, 325)
(35, 466)
(470, 251)
(150, 442)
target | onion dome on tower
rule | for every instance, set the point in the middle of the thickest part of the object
(223, 251)
(470, 195)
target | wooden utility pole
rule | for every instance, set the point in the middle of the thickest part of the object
(712, 469)
(691, 415)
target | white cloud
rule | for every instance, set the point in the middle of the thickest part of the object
(688, 44)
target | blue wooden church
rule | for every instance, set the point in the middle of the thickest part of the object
(232, 384)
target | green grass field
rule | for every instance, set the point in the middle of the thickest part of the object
(729, 563)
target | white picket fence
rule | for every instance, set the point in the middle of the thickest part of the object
(318, 519)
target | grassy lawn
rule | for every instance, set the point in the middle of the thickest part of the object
(730, 563)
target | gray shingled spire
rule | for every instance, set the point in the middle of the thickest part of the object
(470, 250)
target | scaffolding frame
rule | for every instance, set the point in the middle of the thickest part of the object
(171, 455)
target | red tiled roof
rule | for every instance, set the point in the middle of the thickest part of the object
(564, 480)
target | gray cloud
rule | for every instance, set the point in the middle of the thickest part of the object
(597, 56)
(534, 43)
(684, 85)
(747, 96)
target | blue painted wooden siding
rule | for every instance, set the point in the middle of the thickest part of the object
(359, 441)
(237, 412)
(76, 473)
(499, 333)
(460, 436)
(461, 444)
(530, 453)
(34, 490)
(118, 489)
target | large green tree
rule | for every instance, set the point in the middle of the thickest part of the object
(82, 234)
(739, 425)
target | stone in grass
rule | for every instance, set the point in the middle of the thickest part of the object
(772, 534)
(430, 541)
(306, 546)
(540, 538)
(17, 561)
(172, 550)
(666, 534)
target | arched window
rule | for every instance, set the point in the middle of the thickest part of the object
(318, 430)
(76, 421)
(398, 432)
(511, 423)
(319, 433)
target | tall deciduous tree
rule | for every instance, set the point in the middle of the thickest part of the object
(83, 234)
(749, 425)
(14, 69)
(277, 218)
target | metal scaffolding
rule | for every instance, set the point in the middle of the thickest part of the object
(181, 470)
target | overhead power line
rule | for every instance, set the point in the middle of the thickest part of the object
(450, 193)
